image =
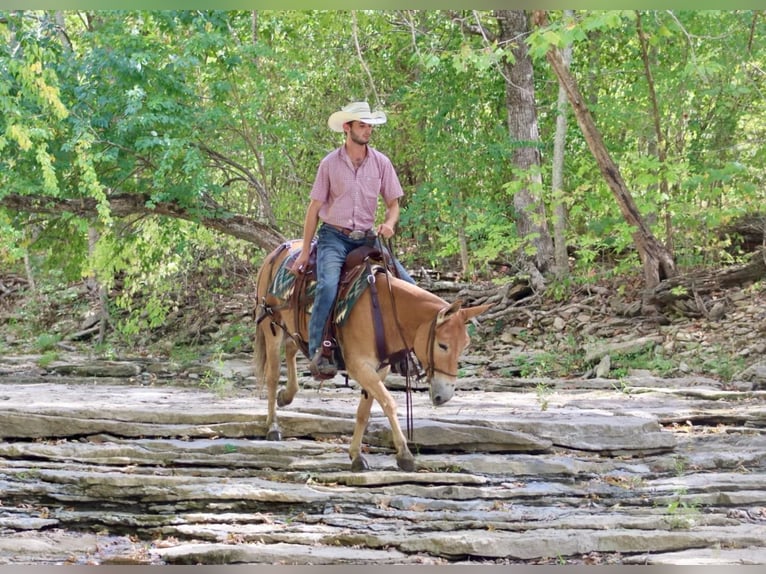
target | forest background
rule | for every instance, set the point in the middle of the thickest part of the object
(155, 157)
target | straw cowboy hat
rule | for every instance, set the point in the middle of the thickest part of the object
(355, 112)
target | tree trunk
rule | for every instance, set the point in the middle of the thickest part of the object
(28, 270)
(561, 258)
(522, 126)
(97, 288)
(698, 293)
(657, 260)
(662, 147)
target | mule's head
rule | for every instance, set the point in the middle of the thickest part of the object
(442, 343)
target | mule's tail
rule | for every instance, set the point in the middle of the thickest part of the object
(259, 354)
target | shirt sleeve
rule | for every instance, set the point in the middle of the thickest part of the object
(390, 188)
(321, 188)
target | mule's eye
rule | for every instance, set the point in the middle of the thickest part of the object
(442, 346)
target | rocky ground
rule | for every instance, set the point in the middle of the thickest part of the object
(580, 433)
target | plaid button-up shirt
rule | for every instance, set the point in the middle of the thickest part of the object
(350, 195)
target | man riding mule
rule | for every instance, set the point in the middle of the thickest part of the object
(348, 184)
(382, 319)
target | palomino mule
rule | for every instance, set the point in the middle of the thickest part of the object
(415, 319)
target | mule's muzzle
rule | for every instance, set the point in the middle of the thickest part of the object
(440, 392)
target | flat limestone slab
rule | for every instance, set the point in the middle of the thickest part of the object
(465, 424)
(104, 473)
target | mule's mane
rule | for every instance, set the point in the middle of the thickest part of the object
(414, 298)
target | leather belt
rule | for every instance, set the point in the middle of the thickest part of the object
(354, 234)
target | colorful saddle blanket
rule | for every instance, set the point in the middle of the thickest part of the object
(283, 284)
(284, 281)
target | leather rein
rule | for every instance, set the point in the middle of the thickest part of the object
(408, 352)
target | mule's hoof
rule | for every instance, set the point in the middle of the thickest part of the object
(359, 464)
(406, 462)
(274, 434)
(281, 398)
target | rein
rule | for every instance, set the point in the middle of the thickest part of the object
(408, 353)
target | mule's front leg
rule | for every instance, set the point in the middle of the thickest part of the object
(371, 382)
(358, 462)
(404, 458)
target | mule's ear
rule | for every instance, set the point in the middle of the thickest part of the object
(447, 312)
(470, 312)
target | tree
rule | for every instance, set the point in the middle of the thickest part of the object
(561, 256)
(139, 122)
(520, 108)
(657, 260)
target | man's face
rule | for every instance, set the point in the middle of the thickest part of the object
(359, 132)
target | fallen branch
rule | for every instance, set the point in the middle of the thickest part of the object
(690, 288)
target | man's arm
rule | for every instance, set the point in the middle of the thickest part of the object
(386, 229)
(309, 229)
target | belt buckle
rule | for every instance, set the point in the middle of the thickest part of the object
(357, 234)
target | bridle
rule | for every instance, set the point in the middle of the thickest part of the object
(431, 366)
(409, 353)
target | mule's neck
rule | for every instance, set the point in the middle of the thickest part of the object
(413, 304)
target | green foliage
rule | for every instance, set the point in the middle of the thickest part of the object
(213, 381)
(622, 386)
(650, 359)
(47, 358)
(224, 112)
(543, 392)
(721, 364)
(236, 337)
(47, 342)
(679, 291)
(560, 289)
(682, 513)
(545, 364)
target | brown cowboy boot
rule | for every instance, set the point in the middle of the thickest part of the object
(322, 365)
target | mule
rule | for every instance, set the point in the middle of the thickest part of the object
(413, 319)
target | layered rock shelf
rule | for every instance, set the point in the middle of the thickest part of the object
(127, 463)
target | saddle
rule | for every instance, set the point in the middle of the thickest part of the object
(297, 291)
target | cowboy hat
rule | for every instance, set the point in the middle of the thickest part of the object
(355, 112)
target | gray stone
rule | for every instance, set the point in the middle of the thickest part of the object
(663, 468)
(595, 351)
(102, 369)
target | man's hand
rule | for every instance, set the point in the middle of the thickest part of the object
(300, 264)
(385, 230)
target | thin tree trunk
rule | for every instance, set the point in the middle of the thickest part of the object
(29, 272)
(464, 259)
(662, 148)
(561, 267)
(95, 286)
(657, 260)
(355, 35)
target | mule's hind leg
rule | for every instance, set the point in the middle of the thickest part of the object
(287, 393)
(271, 376)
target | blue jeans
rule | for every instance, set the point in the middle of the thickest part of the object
(332, 249)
